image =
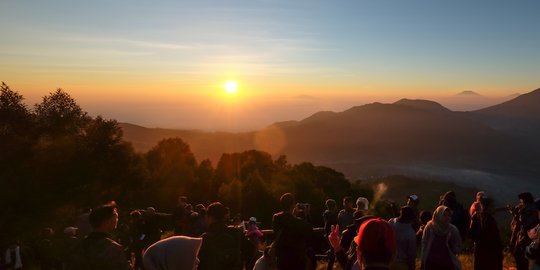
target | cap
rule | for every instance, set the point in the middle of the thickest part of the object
(70, 230)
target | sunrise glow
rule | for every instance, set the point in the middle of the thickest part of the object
(231, 87)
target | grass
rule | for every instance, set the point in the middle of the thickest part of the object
(465, 259)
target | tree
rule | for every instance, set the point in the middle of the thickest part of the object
(59, 114)
(15, 118)
(203, 189)
(172, 166)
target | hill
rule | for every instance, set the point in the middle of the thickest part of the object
(203, 144)
(378, 139)
(519, 117)
(406, 134)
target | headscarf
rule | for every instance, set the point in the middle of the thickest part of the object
(440, 224)
(177, 252)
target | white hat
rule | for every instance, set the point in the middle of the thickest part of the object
(364, 201)
(70, 230)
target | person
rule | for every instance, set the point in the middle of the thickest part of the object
(476, 206)
(197, 222)
(136, 232)
(173, 253)
(348, 235)
(98, 251)
(180, 215)
(441, 242)
(301, 211)
(375, 246)
(345, 216)
(255, 236)
(330, 219)
(345, 247)
(330, 216)
(425, 217)
(15, 257)
(488, 246)
(222, 246)
(524, 219)
(67, 244)
(532, 251)
(292, 236)
(362, 206)
(253, 233)
(413, 201)
(46, 251)
(460, 216)
(405, 239)
(83, 224)
(266, 261)
(151, 227)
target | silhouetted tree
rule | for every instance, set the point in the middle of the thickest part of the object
(59, 114)
(172, 166)
(15, 118)
(203, 189)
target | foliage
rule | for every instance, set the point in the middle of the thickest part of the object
(57, 160)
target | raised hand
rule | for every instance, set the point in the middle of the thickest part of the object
(333, 238)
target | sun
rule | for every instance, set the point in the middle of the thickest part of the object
(231, 87)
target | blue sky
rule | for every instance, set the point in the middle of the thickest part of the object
(101, 50)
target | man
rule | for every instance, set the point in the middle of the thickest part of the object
(345, 216)
(46, 254)
(292, 236)
(525, 219)
(98, 251)
(67, 244)
(181, 216)
(460, 216)
(222, 246)
(413, 201)
(330, 219)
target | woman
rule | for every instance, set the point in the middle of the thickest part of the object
(174, 253)
(487, 241)
(441, 242)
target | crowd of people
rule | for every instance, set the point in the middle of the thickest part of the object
(209, 238)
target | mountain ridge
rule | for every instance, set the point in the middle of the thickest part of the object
(375, 135)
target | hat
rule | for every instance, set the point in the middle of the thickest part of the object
(150, 210)
(252, 219)
(413, 197)
(481, 194)
(363, 201)
(70, 230)
(376, 240)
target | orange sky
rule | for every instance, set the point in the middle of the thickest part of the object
(164, 63)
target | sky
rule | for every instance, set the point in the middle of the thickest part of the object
(164, 63)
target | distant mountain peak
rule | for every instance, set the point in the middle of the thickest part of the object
(468, 93)
(422, 104)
